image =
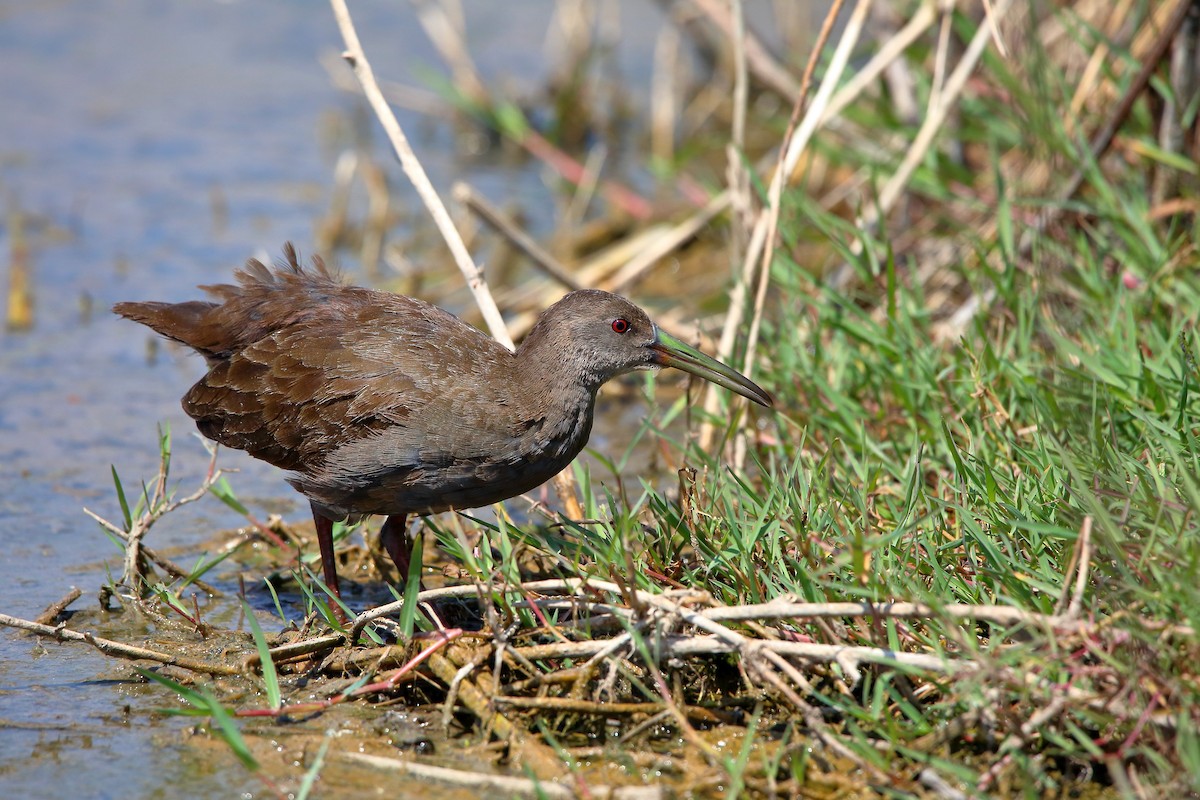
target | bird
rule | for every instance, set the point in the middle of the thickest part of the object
(376, 403)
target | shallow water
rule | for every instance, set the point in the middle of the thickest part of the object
(122, 122)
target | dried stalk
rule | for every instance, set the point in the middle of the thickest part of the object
(157, 505)
(118, 649)
(498, 222)
(411, 165)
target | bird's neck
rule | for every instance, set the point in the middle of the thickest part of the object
(555, 360)
(557, 393)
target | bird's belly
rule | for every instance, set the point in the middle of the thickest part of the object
(432, 485)
(472, 486)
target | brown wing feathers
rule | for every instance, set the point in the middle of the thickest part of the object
(270, 343)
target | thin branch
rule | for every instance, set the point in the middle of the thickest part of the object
(118, 649)
(357, 59)
(762, 237)
(495, 219)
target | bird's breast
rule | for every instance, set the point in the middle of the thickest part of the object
(457, 466)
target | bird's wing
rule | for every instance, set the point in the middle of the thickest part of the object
(309, 388)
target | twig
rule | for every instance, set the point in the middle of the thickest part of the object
(1026, 732)
(294, 650)
(679, 646)
(157, 505)
(579, 706)
(492, 785)
(52, 612)
(784, 608)
(779, 608)
(357, 59)
(440, 640)
(496, 220)
(569, 585)
(118, 649)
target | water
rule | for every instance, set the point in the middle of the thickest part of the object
(122, 121)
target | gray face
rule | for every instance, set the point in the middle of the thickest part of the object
(604, 335)
(608, 332)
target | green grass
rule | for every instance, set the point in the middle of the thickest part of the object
(909, 460)
(907, 465)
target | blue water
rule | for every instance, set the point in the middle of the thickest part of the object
(120, 123)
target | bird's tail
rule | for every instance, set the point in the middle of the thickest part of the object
(182, 322)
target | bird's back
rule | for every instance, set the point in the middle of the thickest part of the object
(301, 364)
(261, 303)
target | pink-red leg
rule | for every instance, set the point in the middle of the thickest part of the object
(324, 526)
(394, 538)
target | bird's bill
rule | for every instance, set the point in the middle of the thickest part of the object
(670, 352)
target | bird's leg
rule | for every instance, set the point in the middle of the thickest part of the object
(394, 538)
(324, 526)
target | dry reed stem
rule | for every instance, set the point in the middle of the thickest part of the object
(1097, 66)
(737, 174)
(664, 83)
(118, 649)
(379, 203)
(866, 77)
(501, 224)
(585, 189)
(1081, 562)
(411, 165)
(157, 505)
(336, 219)
(503, 785)
(938, 112)
(446, 34)
(758, 58)
(19, 297)
(761, 239)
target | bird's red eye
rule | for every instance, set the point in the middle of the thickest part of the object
(621, 325)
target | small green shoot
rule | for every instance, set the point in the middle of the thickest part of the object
(412, 587)
(204, 704)
(270, 676)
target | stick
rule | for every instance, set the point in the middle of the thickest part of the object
(491, 785)
(357, 59)
(118, 649)
(499, 223)
(50, 615)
